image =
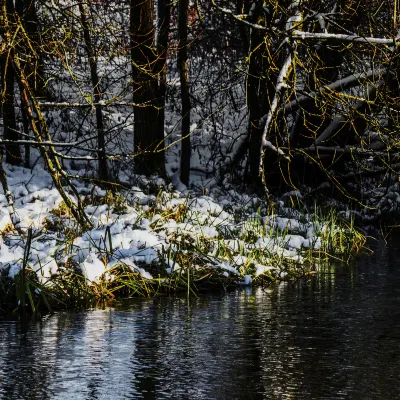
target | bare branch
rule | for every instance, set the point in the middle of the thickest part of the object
(339, 85)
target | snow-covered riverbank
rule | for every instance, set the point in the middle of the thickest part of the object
(161, 236)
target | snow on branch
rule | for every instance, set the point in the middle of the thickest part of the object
(301, 35)
(93, 105)
(43, 144)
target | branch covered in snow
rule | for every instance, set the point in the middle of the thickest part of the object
(104, 104)
(301, 35)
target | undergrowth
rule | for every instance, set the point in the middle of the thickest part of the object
(222, 247)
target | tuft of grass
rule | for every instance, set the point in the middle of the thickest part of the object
(9, 228)
(340, 238)
(62, 211)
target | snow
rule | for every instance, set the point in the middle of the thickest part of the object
(262, 269)
(92, 267)
(172, 267)
(247, 281)
(9, 254)
(295, 241)
(293, 193)
(177, 183)
(151, 230)
(226, 266)
(133, 266)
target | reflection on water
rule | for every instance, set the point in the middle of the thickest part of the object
(331, 337)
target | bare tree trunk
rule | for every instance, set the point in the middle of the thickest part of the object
(243, 7)
(103, 169)
(255, 86)
(259, 90)
(13, 152)
(34, 64)
(184, 79)
(163, 21)
(148, 138)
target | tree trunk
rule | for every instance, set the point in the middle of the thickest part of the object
(103, 170)
(259, 89)
(148, 138)
(255, 85)
(184, 79)
(25, 123)
(243, 7)
(34, 65)
(163, 21)
(13, 152)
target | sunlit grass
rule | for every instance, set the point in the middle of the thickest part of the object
(201, 250)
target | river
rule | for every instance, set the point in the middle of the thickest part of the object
(333, 336)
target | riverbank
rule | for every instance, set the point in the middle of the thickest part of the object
(152, 239)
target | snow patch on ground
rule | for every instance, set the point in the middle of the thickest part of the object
(150, 229)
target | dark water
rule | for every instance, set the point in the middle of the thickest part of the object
(335, 336)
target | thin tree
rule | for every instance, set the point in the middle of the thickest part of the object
(259, 85)
(34, 63)
(94, 76)
(7, 77)
(185, 89)
(163, 29)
